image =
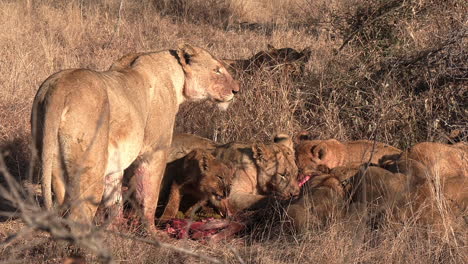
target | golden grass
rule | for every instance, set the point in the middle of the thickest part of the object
(380, 85)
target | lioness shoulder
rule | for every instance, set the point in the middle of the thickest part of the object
(183, 143)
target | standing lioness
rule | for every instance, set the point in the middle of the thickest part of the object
(89, 126)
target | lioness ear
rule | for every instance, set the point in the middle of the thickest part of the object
(185, 53)
(319, 151)
(303, 135)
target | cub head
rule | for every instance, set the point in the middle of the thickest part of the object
(215, 177)
(277, 171)
(206, 77)
(316, 157)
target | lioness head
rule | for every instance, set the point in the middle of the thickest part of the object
(206, 77)
(315, 157)
(277, 171)
(215, 177)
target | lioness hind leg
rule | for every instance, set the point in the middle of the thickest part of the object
(58, 181)
(85, 190)
(83, 139)
(86, 185)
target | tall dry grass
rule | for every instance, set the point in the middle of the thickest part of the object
(390, 70)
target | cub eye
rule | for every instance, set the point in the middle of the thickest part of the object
(218, 70)
(218, 197)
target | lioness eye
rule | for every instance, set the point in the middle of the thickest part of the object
(218, 70)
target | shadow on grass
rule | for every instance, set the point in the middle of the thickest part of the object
(17, 160)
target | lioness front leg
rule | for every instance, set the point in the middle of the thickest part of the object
(241, 201)
(172, 206)
(112, 199)
(148, 177)
(194, 208)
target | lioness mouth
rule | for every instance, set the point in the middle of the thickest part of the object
(304, 179)
(221, 101)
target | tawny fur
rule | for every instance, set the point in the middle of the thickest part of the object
(438, 174)
(405, 192)
(183, 143)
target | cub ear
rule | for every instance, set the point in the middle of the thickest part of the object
(197, 157)
(283, 139)
(185, 53)
(257, 152)
(204, 163)
(323, 169)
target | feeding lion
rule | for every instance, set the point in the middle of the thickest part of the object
(203, 177)
(426, 184)
(314, 157)
(261, 170)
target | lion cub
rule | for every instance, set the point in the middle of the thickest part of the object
(203, 177)
(314, 157)
(261, 170)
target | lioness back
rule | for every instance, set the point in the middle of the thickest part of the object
(183, 143)
(442, 159)
(429, 159)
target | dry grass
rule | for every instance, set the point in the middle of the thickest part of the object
(390, 70)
